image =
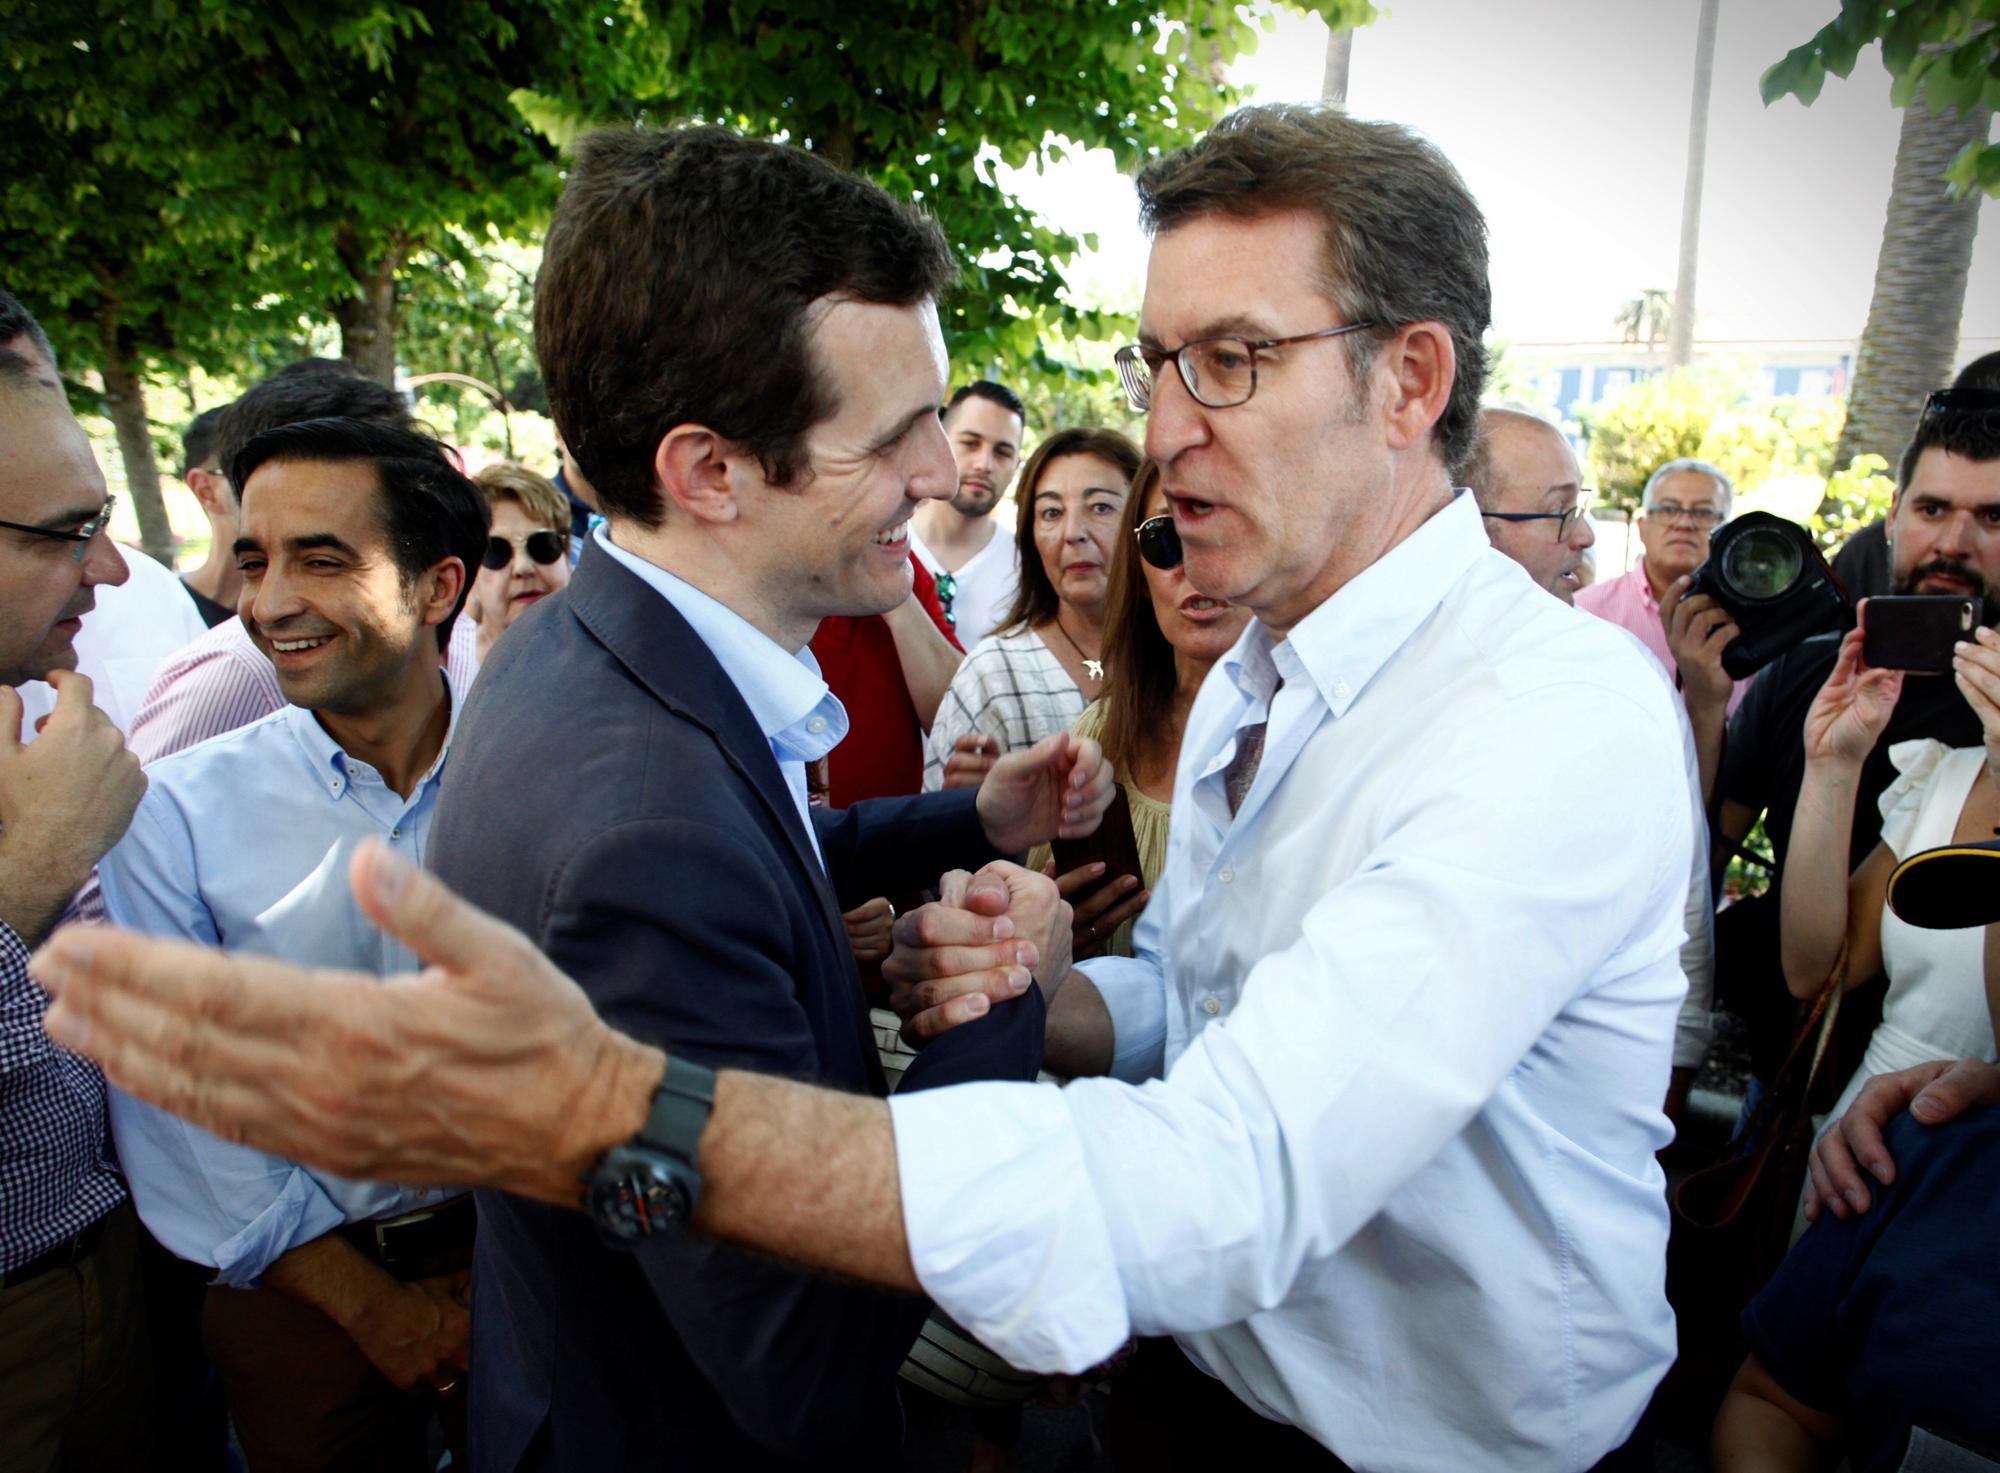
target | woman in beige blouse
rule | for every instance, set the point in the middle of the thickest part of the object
(1161, 638)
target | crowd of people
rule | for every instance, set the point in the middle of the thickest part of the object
(460, 899)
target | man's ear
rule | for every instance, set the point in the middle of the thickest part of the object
(691, 466)
(211, 489)
(440, 587)
(1418, 366)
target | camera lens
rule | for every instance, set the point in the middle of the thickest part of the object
(1761, 564)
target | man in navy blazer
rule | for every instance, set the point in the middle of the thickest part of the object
(742, 349)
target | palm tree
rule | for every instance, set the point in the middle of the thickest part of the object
(1680, 334)
(1645, 318)
(1911, 337)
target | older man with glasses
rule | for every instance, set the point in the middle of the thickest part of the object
(1684, 501)
(74, 1382)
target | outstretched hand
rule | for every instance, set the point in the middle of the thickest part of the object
(1057, 789)
(489, 1068)
(1852, 709)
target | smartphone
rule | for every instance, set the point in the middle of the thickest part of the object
(1915, 632)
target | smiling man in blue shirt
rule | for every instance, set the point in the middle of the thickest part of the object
(355, 543)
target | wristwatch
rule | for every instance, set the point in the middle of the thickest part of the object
(651, 1184)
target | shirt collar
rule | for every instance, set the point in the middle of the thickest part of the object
(1341, 645)
(784, 690)
(330, 759)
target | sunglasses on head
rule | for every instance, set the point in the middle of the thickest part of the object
(1159, 543)
(543, 547)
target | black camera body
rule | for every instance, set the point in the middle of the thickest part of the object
(1772, 580)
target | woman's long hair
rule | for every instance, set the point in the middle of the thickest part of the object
(1037, 601)
(1139, 671)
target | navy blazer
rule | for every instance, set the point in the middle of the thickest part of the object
(610, 794)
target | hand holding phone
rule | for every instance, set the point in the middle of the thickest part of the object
(1915, 632)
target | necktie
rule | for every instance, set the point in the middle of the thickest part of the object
(1242, 768)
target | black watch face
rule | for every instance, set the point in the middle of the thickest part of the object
(640, 1195)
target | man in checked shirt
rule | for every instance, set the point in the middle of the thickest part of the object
(74, 1380)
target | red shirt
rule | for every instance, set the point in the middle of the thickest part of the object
(882, 755)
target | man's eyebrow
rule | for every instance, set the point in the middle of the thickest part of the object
(245, 544)
(1233, 326)
(62, 520)
(901, 428)
(321, 542)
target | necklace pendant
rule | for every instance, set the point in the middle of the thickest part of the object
(1095, 667)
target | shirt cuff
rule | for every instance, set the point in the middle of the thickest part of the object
(299, 1213)
(1135, 994)
(1004, 1228)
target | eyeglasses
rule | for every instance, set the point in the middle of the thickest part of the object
(1159, 543)
(1668, 511)
(1219, 372)
(947, 590)
(83, 534)
(1566, 521)
(543, 547)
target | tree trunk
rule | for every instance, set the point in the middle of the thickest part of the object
(125, 403)
(1333, 82)
(1911, 336)
(368, 319)
(1680, 330)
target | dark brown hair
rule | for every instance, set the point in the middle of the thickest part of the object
(1036, 601)
(675, 282)
(1405, 241)
(1140, 675)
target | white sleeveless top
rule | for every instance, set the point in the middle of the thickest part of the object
(1935, 1007)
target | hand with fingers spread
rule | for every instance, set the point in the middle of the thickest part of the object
(522, 1084)
(1934, 1093)
(65, 798)
(1975, 665)
(868, 929)
(1057, 789)
(1698, 631)
(1852, 709)
(972, 757)
(1099, 903)
(982, 942)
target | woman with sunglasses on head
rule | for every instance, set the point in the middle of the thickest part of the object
(1161, 638)
(527, 553)
(1033, 676)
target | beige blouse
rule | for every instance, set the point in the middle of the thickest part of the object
(1149, 829)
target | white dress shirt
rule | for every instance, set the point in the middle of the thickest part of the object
(1414, 1007)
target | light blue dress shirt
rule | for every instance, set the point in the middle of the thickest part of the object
(799, 716)
(1404, 1025)
(243, 841)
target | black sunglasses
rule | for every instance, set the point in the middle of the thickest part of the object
(1159, 543)
(543, 547)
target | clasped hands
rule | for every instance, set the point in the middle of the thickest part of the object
(984, 940)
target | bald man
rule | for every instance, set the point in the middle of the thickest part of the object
(1530, 491)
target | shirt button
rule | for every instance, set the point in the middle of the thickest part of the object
(1340, 689)
(396, 833)
(1211, 1005)
(1226, 876)
(818, 723)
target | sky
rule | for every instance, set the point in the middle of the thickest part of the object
(1569, 120)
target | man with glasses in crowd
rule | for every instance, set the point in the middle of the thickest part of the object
(1379, 1148)
(74, 1382)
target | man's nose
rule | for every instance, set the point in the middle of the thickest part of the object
(1174, 422)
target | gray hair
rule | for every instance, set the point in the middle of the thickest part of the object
(1689, 463)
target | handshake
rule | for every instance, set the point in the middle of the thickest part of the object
(985, 939)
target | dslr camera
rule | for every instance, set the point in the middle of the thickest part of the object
(1772, 580)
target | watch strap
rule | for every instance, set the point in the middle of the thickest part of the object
(681, 1106)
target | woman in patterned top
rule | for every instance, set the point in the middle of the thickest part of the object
(1033, 676)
